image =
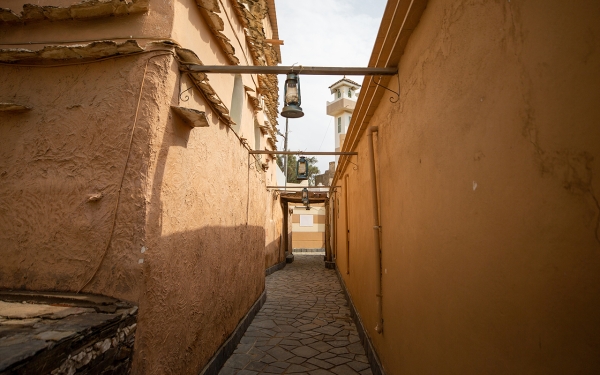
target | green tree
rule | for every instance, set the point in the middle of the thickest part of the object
(292, 162)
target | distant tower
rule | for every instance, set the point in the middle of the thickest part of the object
(344, 100)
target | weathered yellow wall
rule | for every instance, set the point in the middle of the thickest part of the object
(489, 205)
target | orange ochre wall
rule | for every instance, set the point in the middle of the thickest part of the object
(487, 171)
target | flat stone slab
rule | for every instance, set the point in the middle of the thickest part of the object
(303, 328)
(13, 310)
(305, 351)
(48, 332)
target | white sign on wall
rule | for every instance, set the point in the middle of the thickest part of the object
(306, 220)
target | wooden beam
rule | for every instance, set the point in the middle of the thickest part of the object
(278, 42)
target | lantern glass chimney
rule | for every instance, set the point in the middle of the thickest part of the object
(302, 169)
(291, 97)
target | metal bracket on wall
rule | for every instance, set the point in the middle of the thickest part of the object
(187, 97)
(355, 165)
(397, 93)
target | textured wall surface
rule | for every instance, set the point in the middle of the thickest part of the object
(62, 165)
(274, 246)
(206, 241)
(156, 23)
(489, 201)
(194, 225)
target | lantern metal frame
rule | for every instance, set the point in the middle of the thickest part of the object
(302, 176)
(291, 108)
(305, 198)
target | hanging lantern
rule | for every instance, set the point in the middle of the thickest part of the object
(302, 169)
(305, 200)
(292, 97)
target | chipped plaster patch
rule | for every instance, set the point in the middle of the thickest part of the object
(13, 107)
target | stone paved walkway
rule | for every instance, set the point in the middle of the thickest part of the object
(303, 328)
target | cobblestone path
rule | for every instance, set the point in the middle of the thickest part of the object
(303, 328)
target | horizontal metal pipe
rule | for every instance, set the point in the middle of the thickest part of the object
(300, 187)
(301, 153)
(305, 70)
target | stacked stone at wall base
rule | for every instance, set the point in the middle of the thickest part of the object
(321, 250)
(62, 333)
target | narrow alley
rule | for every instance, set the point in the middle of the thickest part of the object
(430, 168)
(303, 328)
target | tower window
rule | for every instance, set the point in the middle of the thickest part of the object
(339, 124)
(349, 93)
(339, 93)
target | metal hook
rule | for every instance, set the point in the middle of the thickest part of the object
(299, 71)
(397, 93)
(355, 165)
(187, 97)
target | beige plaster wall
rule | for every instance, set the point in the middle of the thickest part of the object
(157, 23)
(206, 233)
(195, 227)
(489, 206)
(191, 31)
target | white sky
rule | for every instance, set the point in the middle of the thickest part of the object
(323, 33)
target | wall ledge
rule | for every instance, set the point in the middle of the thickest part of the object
(76, 52)
(73, 54)
(226, 350)
(83, 10)
(191, 117)
(376, 366)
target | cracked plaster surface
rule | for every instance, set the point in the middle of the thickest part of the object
(83, 10)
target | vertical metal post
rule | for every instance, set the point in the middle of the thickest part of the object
(336, 209)
(328, 256)
(285, 148)
(285, 172)
(347, 228)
